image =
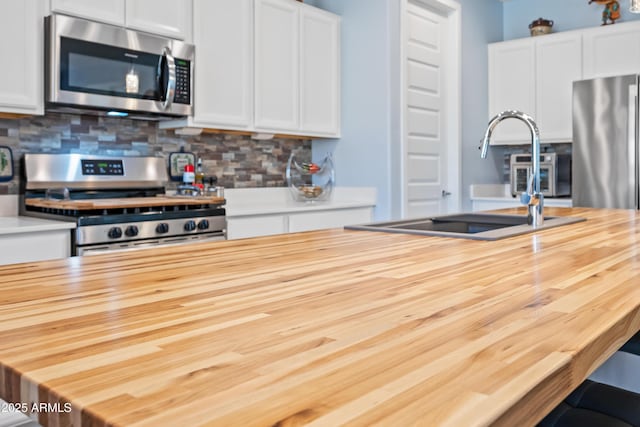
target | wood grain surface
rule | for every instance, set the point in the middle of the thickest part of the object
(130, 202)
(322, 328)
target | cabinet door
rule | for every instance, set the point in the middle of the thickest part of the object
(254, 226)
(319, 72)
(31, 247)
(171, 18)
(223, 34)
(612, 50)
(109, 11)
(558, 65)
(22, 32)
(512, 87)
(276, 65)
(329, 219)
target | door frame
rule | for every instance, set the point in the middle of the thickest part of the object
(452, 11)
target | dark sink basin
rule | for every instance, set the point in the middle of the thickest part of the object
(479, 226)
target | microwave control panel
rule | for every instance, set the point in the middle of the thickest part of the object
(183, 82)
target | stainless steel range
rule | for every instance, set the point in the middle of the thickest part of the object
(117, 203)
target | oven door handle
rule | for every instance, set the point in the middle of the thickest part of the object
(167, 64)
(169, 242)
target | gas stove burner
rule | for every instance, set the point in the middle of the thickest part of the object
(188, 190)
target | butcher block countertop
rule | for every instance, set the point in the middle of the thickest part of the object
(322, 328)
(134, 202)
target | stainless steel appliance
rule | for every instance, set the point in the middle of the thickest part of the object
(117, 203)
(555, 174)
(105, 69)
(605, 143)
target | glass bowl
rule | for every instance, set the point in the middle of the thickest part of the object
(308, 181)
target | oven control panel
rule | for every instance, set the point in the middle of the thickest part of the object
(102, 167)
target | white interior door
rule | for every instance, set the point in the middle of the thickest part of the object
(424, 140)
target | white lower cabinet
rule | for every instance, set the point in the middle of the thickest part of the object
(266, 225)
(328, 219)
(31, 247)
(254, 226)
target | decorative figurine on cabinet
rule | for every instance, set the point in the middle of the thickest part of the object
(611, 10)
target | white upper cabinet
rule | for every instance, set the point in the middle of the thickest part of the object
(269, 66)
(108, 11)
(170, 18)
(21, 81)
(223, 34)
(512, 87)
(535, 75)
(277, 65)
(558, 65)
(612, 50)
(297, 69)
(319, 72)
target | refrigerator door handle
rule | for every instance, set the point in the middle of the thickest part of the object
(632, 145)
(634, 149)
(636, 121)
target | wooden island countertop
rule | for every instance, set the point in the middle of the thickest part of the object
(323, 328)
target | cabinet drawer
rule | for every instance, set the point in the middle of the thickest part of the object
(329, 219)
(266, 225)
(31, 247)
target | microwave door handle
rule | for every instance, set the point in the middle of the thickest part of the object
(170, 90)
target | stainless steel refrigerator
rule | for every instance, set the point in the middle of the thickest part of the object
(605, 143)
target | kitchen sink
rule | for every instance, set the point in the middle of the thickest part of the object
(477, 226)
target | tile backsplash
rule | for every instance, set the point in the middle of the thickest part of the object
(237, 161)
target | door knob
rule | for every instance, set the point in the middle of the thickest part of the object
(445, 193)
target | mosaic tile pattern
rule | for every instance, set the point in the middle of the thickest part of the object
(237, 161)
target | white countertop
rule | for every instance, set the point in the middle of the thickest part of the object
(265, 201)
(12, 223)
(24, 224)
(502, 192)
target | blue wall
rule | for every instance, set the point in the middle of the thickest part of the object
(479, 19)
(369, 42)
(361, 156)
(369, 34)
(566, 14)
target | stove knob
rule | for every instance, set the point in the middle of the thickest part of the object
(131, 231)
(115, 233)
(203, 225)
(190, 225)
(162, 228)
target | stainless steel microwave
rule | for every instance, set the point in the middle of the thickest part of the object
(105, 69)
(555, 174)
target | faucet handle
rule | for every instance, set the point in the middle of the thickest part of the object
(525, 198)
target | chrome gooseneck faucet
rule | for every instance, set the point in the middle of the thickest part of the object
(533, 197)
